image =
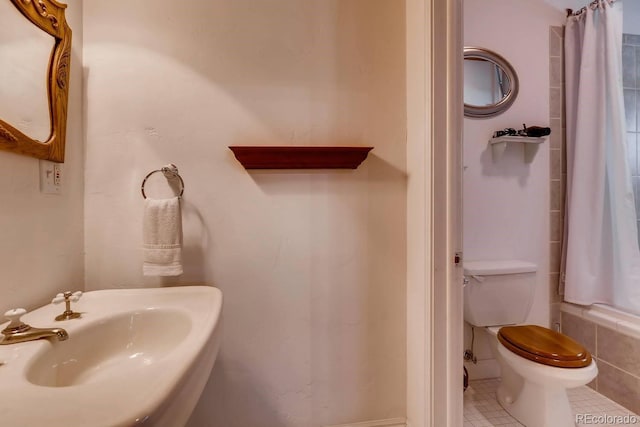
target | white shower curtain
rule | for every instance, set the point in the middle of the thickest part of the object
(601, 258)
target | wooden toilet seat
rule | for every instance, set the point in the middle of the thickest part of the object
(542, 345)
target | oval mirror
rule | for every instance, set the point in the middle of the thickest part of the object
(490, 83)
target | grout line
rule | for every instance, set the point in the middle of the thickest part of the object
(617, 367)
(595, 325)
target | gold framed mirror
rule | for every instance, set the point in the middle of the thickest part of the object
(48, 16)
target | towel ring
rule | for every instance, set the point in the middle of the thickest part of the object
(169, 169)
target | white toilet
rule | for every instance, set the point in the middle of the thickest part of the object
(538, 365)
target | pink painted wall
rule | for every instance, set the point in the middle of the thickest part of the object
(42, 243)
(312, 264)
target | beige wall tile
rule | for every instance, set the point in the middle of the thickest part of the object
(619, 386)
(554, 257)
(555, 41)
(554, 297)
(555, 139)
(619, 350)
(557, 196)
(555, 103)
(580, 330)
(556, 164)
(557, 221)
(554, 317)
(556, 76)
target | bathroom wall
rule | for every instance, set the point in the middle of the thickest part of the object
(311, 264)
(507, 200)
(42, 236)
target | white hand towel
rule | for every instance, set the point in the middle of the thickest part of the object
(162, 237)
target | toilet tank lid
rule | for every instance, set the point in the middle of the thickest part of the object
(497, 267)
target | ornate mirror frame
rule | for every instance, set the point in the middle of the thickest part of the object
(48, 15)
(486, 111)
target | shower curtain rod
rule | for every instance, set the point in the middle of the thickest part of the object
(592, 5)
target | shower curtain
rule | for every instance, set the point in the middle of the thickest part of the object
(601, 258)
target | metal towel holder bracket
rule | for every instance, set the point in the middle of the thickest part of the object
(170, 171)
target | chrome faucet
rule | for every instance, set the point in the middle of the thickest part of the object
(18, 331)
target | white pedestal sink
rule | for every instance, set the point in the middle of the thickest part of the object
(135, 357)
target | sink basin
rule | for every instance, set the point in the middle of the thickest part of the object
(126, 342)
(135, 357)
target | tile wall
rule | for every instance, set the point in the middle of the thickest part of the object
(631, 85)
(617, 357)
(557, 166)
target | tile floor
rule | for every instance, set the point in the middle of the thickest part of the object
(482, 410)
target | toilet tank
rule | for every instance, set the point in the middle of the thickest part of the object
(498, 292)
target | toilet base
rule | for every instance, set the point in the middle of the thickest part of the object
(537, 406)
(536, 394)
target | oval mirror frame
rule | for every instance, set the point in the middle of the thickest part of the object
(485, 111)
(48, 15)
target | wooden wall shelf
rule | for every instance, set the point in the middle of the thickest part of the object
(295, 157)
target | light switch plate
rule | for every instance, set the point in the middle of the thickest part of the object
(50, 177)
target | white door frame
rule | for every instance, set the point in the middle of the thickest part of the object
(434, 282)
